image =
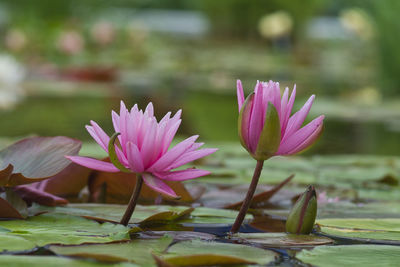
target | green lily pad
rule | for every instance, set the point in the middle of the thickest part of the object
(282, 240)
(138, 251)
(9, 243)
(355, 255)
(184, 253)
(59, 229)
(50, 261)
(379, 229)
(113, 213)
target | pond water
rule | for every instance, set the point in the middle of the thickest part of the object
(213, 115)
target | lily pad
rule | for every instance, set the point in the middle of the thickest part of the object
(282, 240)
(61, 229)
(34, 159)
(189, 253)
(113, 213)
(378, 229)
(138, 251)
(50, 261)
(355, 255)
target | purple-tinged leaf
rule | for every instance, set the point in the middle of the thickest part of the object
(34, 159)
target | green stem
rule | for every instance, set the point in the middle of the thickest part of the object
(249, 197)
(132, 202)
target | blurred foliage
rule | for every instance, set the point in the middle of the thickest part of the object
(386, 13)
(239, 18)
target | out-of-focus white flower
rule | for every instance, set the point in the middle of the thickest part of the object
(103, 32)
(275, 25)
(15, 40)
(70, 42)
(357, 21)
(11, 75)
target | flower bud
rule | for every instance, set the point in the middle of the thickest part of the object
(301, 218)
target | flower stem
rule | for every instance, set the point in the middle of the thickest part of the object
(249, 197)
(132, 202)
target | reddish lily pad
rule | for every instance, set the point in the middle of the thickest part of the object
(36, 158)
(263, 197)
(8, 211)
(118, 187)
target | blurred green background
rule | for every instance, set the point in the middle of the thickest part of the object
(64, 63)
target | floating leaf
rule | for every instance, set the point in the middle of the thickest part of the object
(8, 211)
(113, 213)
(31, 194)
(50, 261)
(282, 240)
(137, 251)
(119, 187)
(378, 229)
(206, 260)
(263, 197)
(355, 255)
(197, 253)
(63, 229)
(34, 159)
(15, 201)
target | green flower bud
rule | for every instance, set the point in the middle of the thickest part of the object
(301, 218)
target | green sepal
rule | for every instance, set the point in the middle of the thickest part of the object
(244, 111)
(301, 218)
(113, 155)
(270, 137)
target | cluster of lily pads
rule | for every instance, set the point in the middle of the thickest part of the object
(38, 180)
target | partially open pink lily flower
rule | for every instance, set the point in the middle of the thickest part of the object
(145, 148)
(266, 128)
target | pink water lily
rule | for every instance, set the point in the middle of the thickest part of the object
(145, 148)
(266, 127)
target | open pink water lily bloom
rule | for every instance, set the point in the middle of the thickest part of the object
(145, 148)
(266, 128)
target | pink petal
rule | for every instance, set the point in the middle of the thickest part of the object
(300, 139)
(123, 116)
(309, 140)
(169, 136)
(184, 175)
(98, 135)
(195, 146)
(134, 158)
(256, 118)
(157, 185)
(240, 94)
(191, 156)
(298, 118)
(288, 112)
(121, 156)
(168, 158)
(148, 149)
(132, 126)
(115, 120)
(150, 110)
(93, 163)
